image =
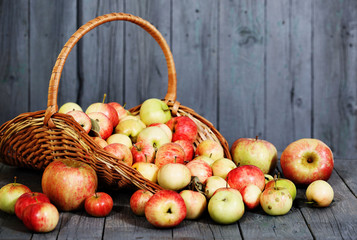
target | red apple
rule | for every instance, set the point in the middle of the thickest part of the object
(187, 147)
(196, 203)
(251, 196)
(121, 152)
(106, 109)
(9, 195)
(165, 209)
(307, 160)
(122, 113)
(81, 118)
(200, 169)
(241, 176)
(100, 204)
(138, 201)
(28, 199)
(183, 128)
(254, 151)
(40, 217)
(105, 125)
(143, 152)
(210, 148)
(68, 182)
(169, 153)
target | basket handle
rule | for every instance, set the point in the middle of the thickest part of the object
(52, 106)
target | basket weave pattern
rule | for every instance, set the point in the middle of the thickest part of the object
(35, 139)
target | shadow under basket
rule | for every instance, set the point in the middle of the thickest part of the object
(35, 139)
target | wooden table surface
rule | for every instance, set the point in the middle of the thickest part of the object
(339, 221)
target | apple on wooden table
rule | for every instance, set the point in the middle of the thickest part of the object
(284, 183)
(320, 193)
(9, 194)
(307, 160)
(165, 209)
(276, 201)
(68, 182)
(196, 203)
(241, 176)
(138, 201)
(251, 196)
(40, 217)
(27, 199)
(100, 204)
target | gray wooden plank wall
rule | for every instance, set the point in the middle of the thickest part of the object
(282, 70)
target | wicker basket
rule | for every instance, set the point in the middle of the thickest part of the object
(35, 139)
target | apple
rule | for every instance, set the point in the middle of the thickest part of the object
(164, 127)
(200, 169)
(120, 151)
(27, 199)
(69, 106)
(210, 148)
(307, 160)
(213, 183)
(100, 141)
(169, 153)
(40, 217)
(284, 183)
(68, 182)
(206, 159)
(120, 138)
(153, 135)
(233, 190)
(9, 195)
(241, 176)
(222, 167)
(173, 176)
(143, 152)
(183, 128)
(100, 204)
(165, 209)
(82, 119)
(320, 193)
(225, 207)
(276, 201)
(195, 202)
(154, 110)
(251, 196)
(148, 170)
(105, 125)
(138, 201)
(254, 151)
(187, 148)
(130, 127)
(122, 113)
(106, 109)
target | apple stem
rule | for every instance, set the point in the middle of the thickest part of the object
(96, 195)
(175, 158)
(275, 179)
(124, 105)
(15, 178)
(210, 155)
(146, 158)
(256, 137)
(104, 97)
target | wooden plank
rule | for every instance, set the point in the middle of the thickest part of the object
(195, 49)
(346, 170)
(14, 56)
(335, 58)
(52, 24)
(101, 55)
(241, 69)
(123, 224)
(288, 74)
(145, 65)
(338, 221)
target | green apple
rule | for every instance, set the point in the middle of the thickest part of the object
(153, 135)
(284, 183)
(320, 193)
(154, 110)
(225, 207)
(213, 183)
(70, 106)
(130, 127)
(254, 151)
(148, 170)
(276, 201)
(222, 167)
(206, 159)
(9, 195)
(120, 138)
(173, 176)
(268, 178)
